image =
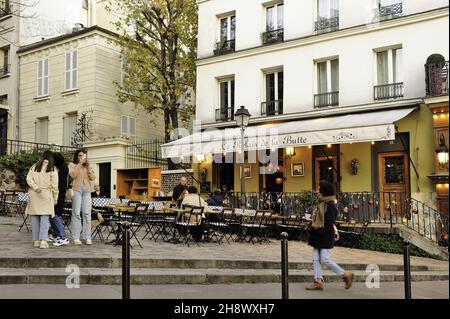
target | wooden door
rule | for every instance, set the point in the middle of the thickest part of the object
(393, 179)
(325, 168)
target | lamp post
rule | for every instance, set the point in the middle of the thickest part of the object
(442, 151)
(242, 117)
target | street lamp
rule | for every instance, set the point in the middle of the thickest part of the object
(442, 152)
(242, 117)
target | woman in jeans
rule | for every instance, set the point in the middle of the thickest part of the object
(82, 175)
(42, 180)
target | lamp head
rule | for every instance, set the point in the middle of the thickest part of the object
(242, 117)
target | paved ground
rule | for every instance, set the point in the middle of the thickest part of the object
(19, 244)
(387, 290)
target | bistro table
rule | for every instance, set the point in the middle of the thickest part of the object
(119, 208)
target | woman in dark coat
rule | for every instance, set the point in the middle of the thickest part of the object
(58, 231)
(322, 237)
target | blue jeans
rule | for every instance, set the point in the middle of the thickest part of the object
(39, 227)
(324, 256)
(57, 227)
(81, 203)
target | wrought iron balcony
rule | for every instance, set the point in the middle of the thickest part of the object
(273, 36)
(326, 99)
(225, 114)
(326, 25)
(390, 12)
(223, 47)
(388, 91)
(6, 69)
(436, 77)
(270, 108)
(5, 11)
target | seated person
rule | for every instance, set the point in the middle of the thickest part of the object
(192, 198)
(216, 199)
(96, 193)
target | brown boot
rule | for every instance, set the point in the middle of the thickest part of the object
(348, 279)
(317, 285)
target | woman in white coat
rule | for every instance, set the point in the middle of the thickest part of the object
(42, 180)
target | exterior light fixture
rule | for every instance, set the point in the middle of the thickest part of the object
(290, 152)
(242, 117)
(200, 157)
(442, 152)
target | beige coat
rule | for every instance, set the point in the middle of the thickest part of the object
(42, 203)
(194, 200)
(82, 176)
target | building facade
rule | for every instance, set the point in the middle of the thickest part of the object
(325, 76)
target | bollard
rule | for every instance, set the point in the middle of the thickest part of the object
(284, 266)
(407, 269)
(126, 261)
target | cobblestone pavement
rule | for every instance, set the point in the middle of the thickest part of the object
(19, 244)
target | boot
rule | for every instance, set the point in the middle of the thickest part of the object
(348, 279)
(317, 285)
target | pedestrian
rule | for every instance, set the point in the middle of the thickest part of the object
(215, 199)
(42, 179)
(83, 175)
(179, 189)
(322, 236)
(57, 226)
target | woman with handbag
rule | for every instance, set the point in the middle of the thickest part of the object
(57, 226)
(42, 179)
(82, 175)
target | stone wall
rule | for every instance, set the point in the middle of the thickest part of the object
(171, 178)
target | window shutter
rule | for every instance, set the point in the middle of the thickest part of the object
(68, 75)
(39, 78)
(132, 126)
(45, 77)
(74, 69)
(124, 126)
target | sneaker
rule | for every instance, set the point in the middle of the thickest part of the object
(77, 242)
(348, 279)
(36, 243)
(44, 244)
(61, 242)
(317, 285)
(88, 241)
(65, 241)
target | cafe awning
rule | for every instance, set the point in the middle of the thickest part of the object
(349, 128)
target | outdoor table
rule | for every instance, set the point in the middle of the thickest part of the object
(119, 209)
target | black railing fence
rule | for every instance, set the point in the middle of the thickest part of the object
(5, 69)
(145, 153)
(388, 91)
(390, 11)
(225, 114)
(436, 77)
(326, 99)
(323, 25)
(274, 107)
(8, 146)
(273, 36)
(224, 47)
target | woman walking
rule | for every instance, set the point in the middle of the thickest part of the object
(57, 226)
(83, 175)
(322, 236)
(42, 179)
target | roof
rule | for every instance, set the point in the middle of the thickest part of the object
(63, 37)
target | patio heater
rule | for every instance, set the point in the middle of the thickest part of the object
(242, 117)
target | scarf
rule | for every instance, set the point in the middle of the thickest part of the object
(318, 217)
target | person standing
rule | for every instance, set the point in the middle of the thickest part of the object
(82, 175)
(42, 179)
(322, 236)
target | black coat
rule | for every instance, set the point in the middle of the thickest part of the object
(62, 187)
(177, 191)
(215, 200)
(324, 237)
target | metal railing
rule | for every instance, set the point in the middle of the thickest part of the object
(8, 146)
(323, 25)
(5, 11)
(225, 114)
(273, 36)
(274, 107)
(326, 99)
(5, 69)
(436, 79)
(390, 12)
(145, 153)
(388, 91)
(224, 47)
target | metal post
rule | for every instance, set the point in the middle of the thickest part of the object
(242, 170)
(284, 266)
(407, 269)
(126, 261)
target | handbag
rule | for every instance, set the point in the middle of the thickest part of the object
(69, 191)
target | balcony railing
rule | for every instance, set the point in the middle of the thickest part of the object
(273, 36)
(5, 69)
(388, 91)
(436, 78)
(223, 47)
(225, 114)
(5, 11)
(326, 25)
(390, 12)
(270, 108)
(326, 99)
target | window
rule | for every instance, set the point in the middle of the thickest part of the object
(41, 135)
(3, 100)
(71, 81)
(327, 83)
(128, 126)
(274, 94)
(69, 128)
(228, 28)
(274, 24)
(5, 8)
(327, 15)
(226, 92)
(389, 75)
(42, 78)
(5, 68)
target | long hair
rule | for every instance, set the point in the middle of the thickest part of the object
(75, 156)
(60, 162)
(47, 155)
